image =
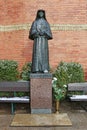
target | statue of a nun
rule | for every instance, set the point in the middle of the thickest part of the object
(40, 32)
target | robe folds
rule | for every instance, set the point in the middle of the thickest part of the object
(40, 33)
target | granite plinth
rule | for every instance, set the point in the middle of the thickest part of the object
(41, 93)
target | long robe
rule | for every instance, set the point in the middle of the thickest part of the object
(40, 32)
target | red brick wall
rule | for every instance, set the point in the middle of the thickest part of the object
(67, 45)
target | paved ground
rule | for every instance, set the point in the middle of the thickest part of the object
(76, 113)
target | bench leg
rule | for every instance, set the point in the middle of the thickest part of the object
(84, 107)
(12, 108)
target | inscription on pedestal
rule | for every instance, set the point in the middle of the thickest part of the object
(41, 93)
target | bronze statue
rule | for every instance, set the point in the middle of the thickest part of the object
(40, 32)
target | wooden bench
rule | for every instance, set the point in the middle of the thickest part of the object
(19, 86)
(78, 87)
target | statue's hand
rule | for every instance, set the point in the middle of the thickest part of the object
(41, 33)
(36, 35)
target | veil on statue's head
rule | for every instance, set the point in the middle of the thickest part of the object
(40, 10)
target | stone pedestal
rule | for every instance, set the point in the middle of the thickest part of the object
(41, 93)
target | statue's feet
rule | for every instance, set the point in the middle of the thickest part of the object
(45, 71)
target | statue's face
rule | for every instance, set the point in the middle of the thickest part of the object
(41, 14)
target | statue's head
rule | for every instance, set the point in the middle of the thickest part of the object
(40, 14)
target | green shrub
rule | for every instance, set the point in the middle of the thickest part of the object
(25, 74)
(6, 94)
(8, 70)
(69, 73)
(21, 94)
(11, 94)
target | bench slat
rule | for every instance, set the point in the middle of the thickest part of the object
(78, 98)
(77, 86)
(15, 99)
(20, 86)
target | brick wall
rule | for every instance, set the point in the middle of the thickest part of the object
(68, 20)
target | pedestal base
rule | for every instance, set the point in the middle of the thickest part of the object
(40, 111)
(41, 93)
(35, 120)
